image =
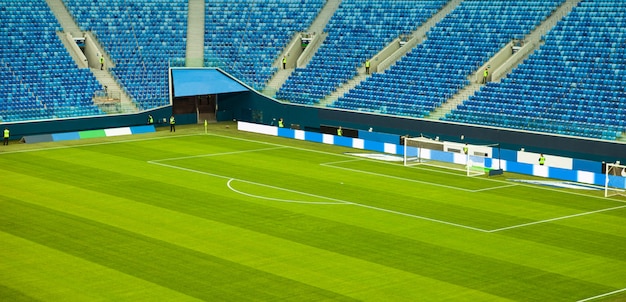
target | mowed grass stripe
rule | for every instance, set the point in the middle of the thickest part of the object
(35, 272)
(190, 272)
(318, 267)
(436, 262)
(15, 295)
(476, 209)
(575, 237)
(321, 226)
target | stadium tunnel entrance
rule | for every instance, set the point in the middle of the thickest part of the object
(195, 92)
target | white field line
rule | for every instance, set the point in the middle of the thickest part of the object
(216, 154)
(338, 201)
(417, 167)
(602, 295)
(351, 159)
(156, 162)
(334, 201)
(495, 188)
(396, 177)
(295, 148)
(281, 200)
(332, 165)
(556, 218)
(419, 217)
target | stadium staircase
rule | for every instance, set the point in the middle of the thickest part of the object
(455, 49)
(572, 85)
(246, 37)
(318, 26)
(356, 32)
(194, 56)
(40, 80)
(384, 59)
(531, 42)
(301, 57)
(142, 37)
(113, 99)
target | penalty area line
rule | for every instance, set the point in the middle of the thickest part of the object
(335, 201)
(556, 218)
(419, 217)
(602, 295)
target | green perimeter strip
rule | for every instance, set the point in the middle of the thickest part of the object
(92, 133)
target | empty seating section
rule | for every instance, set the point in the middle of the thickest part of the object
(358, 30)
(244, 37)
(439, 67)
(39, 78)
(141, 37)
(573, 85)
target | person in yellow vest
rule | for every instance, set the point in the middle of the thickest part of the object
(172, 124)
(281, 124)
(150, 119)
(339, 131)
(101, 62)
(465, 149)
(485, 75)
(6, 137)
(284, 62)
(367, 66)
(542, 160)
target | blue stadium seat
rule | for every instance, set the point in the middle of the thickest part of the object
(573, 84)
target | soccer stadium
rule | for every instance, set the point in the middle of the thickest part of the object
(313, 150)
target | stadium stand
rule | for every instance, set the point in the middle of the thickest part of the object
(436, 69)
(141, 36)
(573, 85)
(245, 37)
(358, 30)
(39, 78)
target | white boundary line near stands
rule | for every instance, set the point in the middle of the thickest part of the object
(602, 295)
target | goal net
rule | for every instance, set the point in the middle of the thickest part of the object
(615, 180)
(426, 151)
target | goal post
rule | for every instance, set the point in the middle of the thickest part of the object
(432, 152)
(474, 164)
(615, 180)
(416, 149)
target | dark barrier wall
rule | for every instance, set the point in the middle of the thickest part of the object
(19, 130)
(256, 108)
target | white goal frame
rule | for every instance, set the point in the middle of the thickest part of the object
(417, 151)
(614, 179)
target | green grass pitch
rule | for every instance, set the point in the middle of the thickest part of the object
(234, 216)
